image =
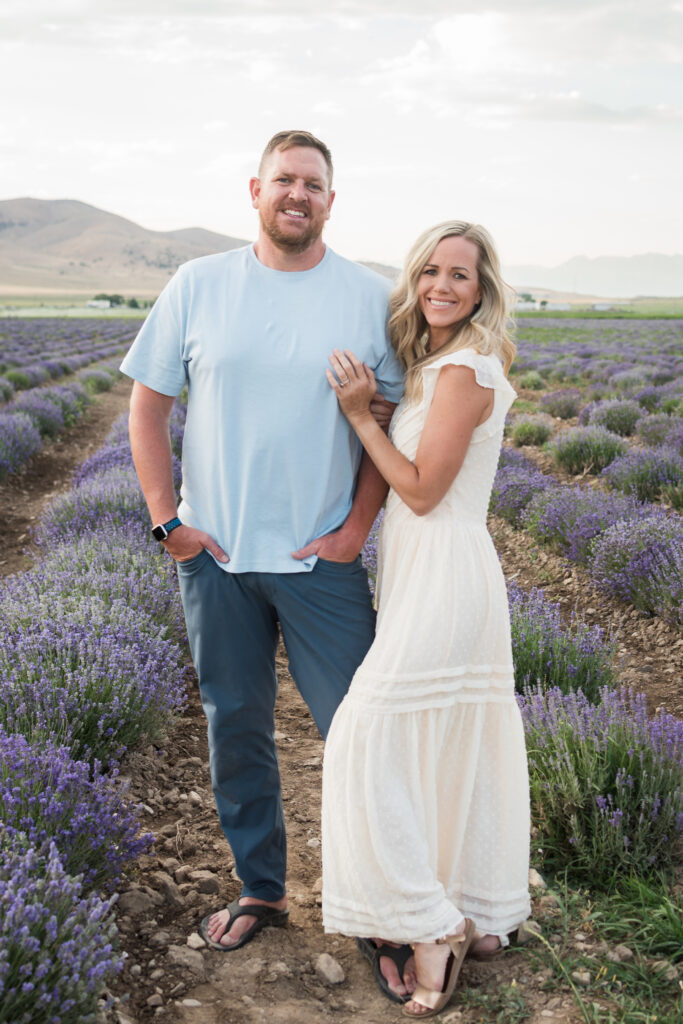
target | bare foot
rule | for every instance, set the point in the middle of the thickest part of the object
(219, 920)
(406, 985)
(485, 944)
(431, 960)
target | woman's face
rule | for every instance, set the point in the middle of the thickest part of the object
(448, 288)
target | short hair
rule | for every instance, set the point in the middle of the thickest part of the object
(287, 140)
(486, 329)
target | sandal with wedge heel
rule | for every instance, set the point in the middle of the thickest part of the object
(432, 999)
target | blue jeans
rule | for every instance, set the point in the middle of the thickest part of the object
(327, 623)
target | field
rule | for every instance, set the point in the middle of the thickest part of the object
(101, 712)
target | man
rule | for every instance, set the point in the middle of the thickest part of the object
(276, 498)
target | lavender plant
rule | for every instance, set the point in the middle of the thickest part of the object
(513, 488)
(617, 415)
(45, 411)
(6, 389)
(605, 783)
(129, 569)
(96, 381)
(563, 404)
(655, 430)
(56, 944)
(47, 797)
(585, 449)
(89, 675)
(641, 561)
(110, 499)
(530, 430)
(647, 474)
(531, 380)
(19, 441)
(547, 654)
(569, 518)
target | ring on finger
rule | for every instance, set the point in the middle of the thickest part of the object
(343, 381)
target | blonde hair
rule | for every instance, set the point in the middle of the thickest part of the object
(487, 329)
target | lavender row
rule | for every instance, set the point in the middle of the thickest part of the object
(34, 351)
(91, 661)
(632, 549)
(45, 412)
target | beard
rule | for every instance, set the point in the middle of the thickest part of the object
(292, 243)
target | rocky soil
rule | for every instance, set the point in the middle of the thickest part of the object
(297, 974)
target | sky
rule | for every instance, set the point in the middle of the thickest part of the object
(558, 124)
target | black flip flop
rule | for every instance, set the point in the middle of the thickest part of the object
(266, 917)
(399, 954)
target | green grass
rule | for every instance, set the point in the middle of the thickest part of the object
(641, 915)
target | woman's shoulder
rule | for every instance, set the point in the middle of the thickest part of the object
(488, 369)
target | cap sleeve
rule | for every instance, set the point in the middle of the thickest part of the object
(488, 373)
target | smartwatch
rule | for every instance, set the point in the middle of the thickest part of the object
(162, 530)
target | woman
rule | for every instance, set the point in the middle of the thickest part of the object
(425, 787)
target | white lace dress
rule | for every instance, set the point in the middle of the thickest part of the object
(425, 785)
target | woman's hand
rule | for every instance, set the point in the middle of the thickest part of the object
(354, 384)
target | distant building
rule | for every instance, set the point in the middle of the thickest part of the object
(98, 304)
(523, 306)
(602, 306)
(559, 307)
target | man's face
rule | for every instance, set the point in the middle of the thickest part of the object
(293, 197)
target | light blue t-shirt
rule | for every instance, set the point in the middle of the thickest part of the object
(269, 461)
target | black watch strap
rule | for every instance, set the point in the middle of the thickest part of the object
(162, 530)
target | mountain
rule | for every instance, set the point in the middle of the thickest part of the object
(616, 277)
(62, 245)
(65, 246)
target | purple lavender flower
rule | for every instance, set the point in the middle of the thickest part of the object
(563, 404)
(641, 561)
(19, 441)
(570, 518)
(47, 797)
(56, 943)
(645, 473)
(616, 782)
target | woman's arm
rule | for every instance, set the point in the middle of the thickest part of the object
(458, 406)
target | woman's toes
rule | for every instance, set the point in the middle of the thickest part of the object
(391, 975)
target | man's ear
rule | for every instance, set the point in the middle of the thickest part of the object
(329, 204)
(254, 191)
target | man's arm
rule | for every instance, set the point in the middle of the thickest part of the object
(346, 543)
(151, 447)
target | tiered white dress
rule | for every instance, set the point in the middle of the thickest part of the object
(425, 785)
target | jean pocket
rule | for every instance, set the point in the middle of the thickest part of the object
(193, 564)
(325, 564)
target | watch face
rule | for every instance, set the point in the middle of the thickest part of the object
(160, 532)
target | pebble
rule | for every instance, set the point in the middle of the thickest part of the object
(136, 970)
(155, 1000)
(190, 959)
(165, 884)
(121, 1018)
(190, 1002)
(195, 941)
(134, 902)
(313, 843)
(157, 974)
(194, 798)
(329, 970)
(158, 939)
(620, 954)
(536, 881)
(205, 881)
(182, 873)
(318, 885)
(581, 977)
